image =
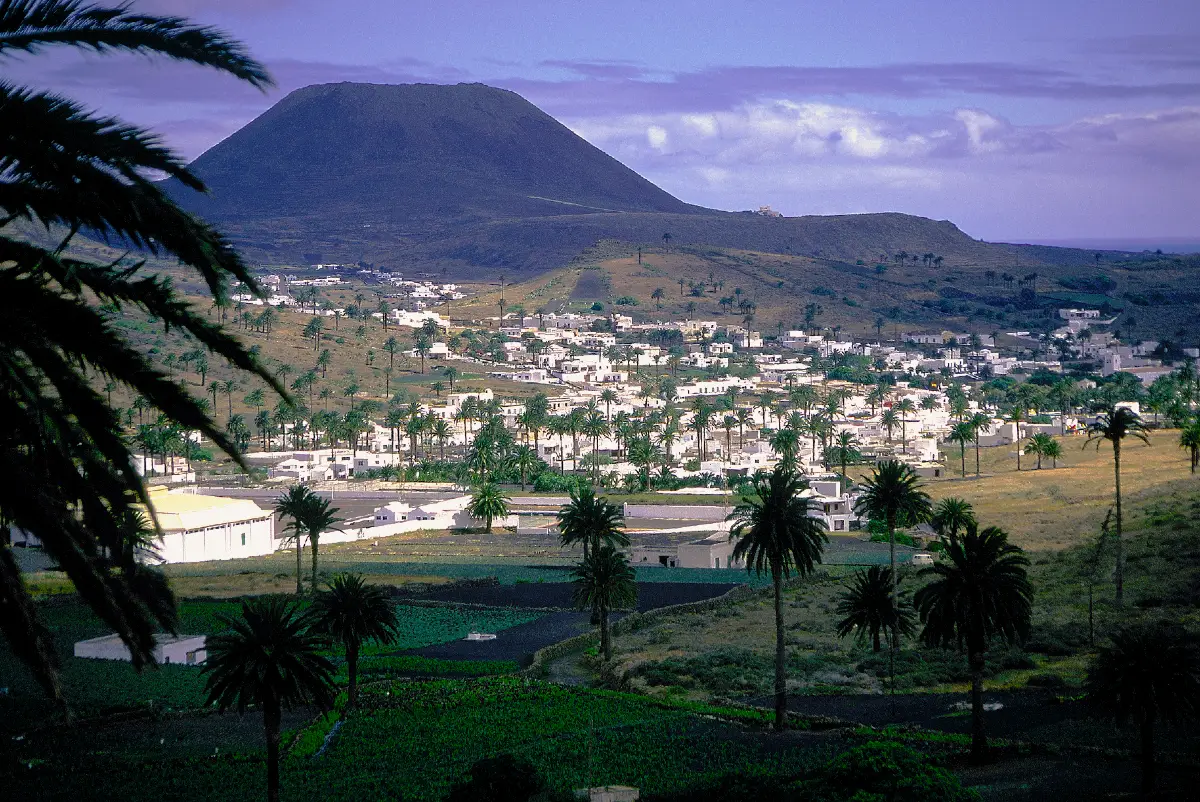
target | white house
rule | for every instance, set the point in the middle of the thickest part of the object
(392, 513)
(301, 470)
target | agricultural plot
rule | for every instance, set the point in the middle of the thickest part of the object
(100, 687)
(413, 740)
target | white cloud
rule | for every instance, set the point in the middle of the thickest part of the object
(1089, 177)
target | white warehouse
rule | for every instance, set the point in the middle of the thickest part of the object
(198, 528)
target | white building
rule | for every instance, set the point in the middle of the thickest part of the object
(188, 650)
(199, 528)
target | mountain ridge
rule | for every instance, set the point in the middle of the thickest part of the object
(468, 177)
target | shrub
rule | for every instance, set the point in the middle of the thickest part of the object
(504, 778)
(549, 482)
(887, 770)
(734, 788)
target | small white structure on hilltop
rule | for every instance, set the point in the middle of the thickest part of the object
(199, 528)
(188, 650)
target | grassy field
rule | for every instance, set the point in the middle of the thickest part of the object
(1056, 508)
(1051, 513)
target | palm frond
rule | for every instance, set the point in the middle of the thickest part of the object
(30, 25)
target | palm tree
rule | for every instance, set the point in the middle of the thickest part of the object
(1114, 427)
(775, 533)
(311, 515)
(869, 611)
(353, 612)
(1149, 674)
(68, 476)
(846, 444)
(962, 433)
(1189, 438)
(488, 502)
(604, 581)
(981, 423)
(786, 443)
(268, 658)
(1015, 416)
(595, 427)
(658, 294)
(524, 460)
(643, 454)
(979, 594)
(441, 431)
(952, 516)
(591, 521)
(1040, 445)
(904, 408)
(292, 505)
(893, 494)
(889, 420)
(609, 397)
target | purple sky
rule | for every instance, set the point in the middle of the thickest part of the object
(1021, 120)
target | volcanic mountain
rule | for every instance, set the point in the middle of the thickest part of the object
(470, 178)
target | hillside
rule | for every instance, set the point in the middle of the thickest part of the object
(1154, 295)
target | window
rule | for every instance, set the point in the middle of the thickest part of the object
(243, 538)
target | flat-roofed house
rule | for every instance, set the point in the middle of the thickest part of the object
(199, 528)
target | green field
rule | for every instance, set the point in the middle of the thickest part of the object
(411, 740)
(99, 687)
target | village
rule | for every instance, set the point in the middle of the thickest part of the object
(686, 410)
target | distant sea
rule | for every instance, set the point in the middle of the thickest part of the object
(1131, 244)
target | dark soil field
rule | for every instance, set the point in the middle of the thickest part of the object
(515, 643)
(651, 595)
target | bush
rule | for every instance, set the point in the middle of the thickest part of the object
(550, 482)
(734, 788)
(901, 538)
(724, 672)
(504, 778)
(887, 770)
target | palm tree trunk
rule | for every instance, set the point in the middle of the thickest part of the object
(352, 673)
(605, 634)
(312, 539)
(271, 724)
(979, 744)
(976, 457)
(964, 458)
(891, 525)
(780, 665)
(875, 641)
(1147, 755)
(299, 568)
(1119, 574)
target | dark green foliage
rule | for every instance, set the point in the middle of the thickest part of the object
(66, 471)
(739, 787)
(352, 613)
(589, 520)
(887, 771)
(503, 778)
(1150, 673)
(870, 610)
(724, 672)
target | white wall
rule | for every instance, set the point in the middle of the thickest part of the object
(223, 542)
